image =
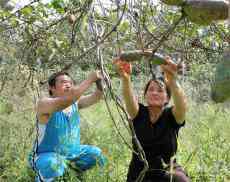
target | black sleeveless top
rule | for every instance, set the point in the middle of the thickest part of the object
(159, 140)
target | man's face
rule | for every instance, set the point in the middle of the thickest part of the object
(62, 86)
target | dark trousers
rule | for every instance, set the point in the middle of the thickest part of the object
(156, 174)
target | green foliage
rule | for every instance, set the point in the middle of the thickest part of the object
(203, 144)
(199, 11)
(220, 86)
(27, 11)
(5, 107)
(38, 39)
(173, 2)
(5, 4)
(58, 5)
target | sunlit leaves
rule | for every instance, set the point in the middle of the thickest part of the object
(4, 14)
(124, 26)
(27, 10)
(58, 5)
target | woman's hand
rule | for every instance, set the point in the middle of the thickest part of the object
(123, 68)
(170, 71)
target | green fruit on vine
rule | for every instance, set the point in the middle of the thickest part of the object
(72, 19)
(173, 2)
(220, 89)
(203, 12)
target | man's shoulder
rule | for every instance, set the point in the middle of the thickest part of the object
(42, 110)
(44, 100)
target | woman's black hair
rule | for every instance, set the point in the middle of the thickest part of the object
(160, 82)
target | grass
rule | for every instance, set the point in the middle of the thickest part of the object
(204, 144)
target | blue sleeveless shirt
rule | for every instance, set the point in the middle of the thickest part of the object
(61, 134)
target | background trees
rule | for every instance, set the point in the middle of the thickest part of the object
(41, 37)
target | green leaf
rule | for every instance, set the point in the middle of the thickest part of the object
(4, 14)
(27, 11)
(59, 5)
(14, 22)
(158, 59)
(124, 26)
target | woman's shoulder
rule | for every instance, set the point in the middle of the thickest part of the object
(142, 108)
(169, 117)
(142, 112)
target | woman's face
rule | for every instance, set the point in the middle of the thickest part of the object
(156, 95)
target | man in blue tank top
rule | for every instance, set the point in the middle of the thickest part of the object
(58, 128)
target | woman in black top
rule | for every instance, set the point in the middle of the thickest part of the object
(156, 125)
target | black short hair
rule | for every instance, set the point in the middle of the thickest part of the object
(52, 79)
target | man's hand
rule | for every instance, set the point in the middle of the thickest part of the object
(88, 100)
(94, 76)
(123, 68)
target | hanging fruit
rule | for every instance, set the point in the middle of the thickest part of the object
(72, 19)
(203, 12)
(125, 66)
(173, 2)
(220, 89)
(137, 55)
(134, 55)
